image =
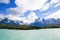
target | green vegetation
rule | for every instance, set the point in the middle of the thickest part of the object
(21, 27)
(26, 27)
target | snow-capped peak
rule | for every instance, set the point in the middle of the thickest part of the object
(26, 20)
(32, 16)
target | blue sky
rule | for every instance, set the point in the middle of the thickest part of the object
(40, 12)
(4, 6)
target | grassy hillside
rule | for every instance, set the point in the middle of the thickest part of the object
(26, 27)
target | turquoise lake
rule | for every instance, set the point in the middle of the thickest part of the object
(42, 34)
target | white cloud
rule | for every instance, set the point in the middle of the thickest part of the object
(24, 6)
(29, 4)
(5, 1)
(12, 17)
(35, 4)
(57, 4)
(48, 5)
(45, 7)
(1, 17)
(54, 15)
(15, 18)
(15, 11)
(54, 1)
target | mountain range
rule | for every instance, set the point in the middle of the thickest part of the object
(37, 22)
(31, 19)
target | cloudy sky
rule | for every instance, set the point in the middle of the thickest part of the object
(28, 8)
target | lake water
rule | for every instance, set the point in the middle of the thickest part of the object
(42, 34)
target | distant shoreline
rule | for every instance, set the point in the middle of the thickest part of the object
(26, 27)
